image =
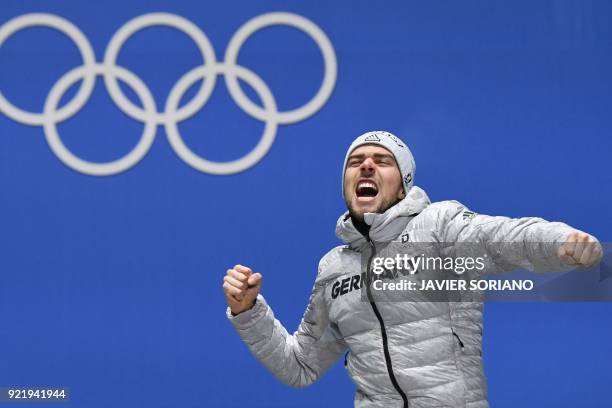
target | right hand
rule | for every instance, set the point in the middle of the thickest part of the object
(241, 287)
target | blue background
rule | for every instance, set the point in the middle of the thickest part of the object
(112, 285)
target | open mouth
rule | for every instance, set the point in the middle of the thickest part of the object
(366, 189)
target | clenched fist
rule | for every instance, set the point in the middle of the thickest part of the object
(241, 287)
(580, 249)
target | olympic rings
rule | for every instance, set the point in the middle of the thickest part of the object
(173, 114)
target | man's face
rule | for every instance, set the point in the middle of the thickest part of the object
(372, 181)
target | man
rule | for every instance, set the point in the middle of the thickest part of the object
(400, 354)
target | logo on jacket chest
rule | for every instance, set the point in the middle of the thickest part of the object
(342, 286)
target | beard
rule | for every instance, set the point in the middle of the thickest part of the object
(384, 206)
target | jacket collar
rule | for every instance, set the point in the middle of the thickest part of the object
(384, 227)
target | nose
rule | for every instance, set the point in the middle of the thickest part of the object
(367, 166)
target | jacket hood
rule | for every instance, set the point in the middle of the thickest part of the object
(384, 227)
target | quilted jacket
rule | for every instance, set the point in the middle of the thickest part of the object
(411, 353)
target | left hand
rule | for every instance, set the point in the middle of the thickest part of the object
(580, 249)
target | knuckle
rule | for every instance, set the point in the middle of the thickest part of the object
(239, 276)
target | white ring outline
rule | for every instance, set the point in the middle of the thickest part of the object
(151, 20)
(92, 168)
(87, 54)
(228, 167)
(170, 117)
(292, 20)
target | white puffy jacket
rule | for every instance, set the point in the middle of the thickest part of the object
(400, 354)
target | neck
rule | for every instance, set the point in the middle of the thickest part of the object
(361, 226)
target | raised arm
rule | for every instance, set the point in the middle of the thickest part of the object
(297, 360)
(529, 242)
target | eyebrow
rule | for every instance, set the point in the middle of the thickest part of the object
(375, 155)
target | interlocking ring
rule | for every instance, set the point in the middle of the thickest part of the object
(89, 59)
(172, 114)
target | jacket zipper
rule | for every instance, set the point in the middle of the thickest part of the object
(458, 338)
(383, 330)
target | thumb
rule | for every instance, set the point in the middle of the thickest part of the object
(255, 280)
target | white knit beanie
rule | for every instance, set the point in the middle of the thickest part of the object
(394, 144)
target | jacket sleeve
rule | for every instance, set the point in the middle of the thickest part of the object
(509, 243)
(299, 359)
